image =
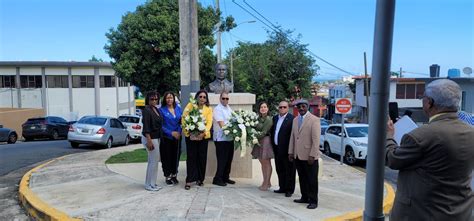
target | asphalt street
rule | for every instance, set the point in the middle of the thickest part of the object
(22, 154)
(16, 160)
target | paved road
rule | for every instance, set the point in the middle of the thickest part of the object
(16, 160)
(22, 154)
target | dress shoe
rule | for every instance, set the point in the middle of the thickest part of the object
(229, 181)
(219, 183)
(312, 206)
(279, 191)
(301, 201)
(288, 194)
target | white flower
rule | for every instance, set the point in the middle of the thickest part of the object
(252, 124)
(200, 111)
(226, 132)
(253, 130)
(237, 139)
(192, 127)
(201, 126)
(234, 131)
(254, 141)
(187, 118)
(187, 127)
(195, 119)
(247, 124)
(240, 120)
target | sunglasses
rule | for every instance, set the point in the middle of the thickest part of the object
(225, 98)
(202, 96)
(153, 99)
(282, 107)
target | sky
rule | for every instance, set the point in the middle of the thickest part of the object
(340, 31)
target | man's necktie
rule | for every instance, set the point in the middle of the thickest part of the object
(300, 121)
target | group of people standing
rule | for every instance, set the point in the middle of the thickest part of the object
(292, 142)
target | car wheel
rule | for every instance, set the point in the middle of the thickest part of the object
(12, 138)
(108, 145)
(349, 156)
(127, 141)
(327, 149)
(74, 145)
(54, 135)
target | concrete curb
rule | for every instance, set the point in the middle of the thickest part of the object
(33, 205)
(358, 215)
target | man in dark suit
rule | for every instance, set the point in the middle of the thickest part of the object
(435, 161)
(280, 134)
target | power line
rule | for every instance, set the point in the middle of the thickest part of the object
(278, 30)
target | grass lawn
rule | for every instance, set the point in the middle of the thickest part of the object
(136, 156)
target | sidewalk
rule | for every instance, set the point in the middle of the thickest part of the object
(82, 186)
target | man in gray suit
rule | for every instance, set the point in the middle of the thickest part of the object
(434, 161)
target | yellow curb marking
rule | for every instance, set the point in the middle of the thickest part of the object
(33, 204)
(357, 215)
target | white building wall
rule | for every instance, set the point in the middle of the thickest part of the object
(57, 101)
(56, 71)
(108, 102)
(83, 102)
(7, 71)
(106, 71)
(123, 99)
(360, 99)
(30, 70)
(8, 97)
(31, 98)
(82, 71)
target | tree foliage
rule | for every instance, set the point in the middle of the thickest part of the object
(95, 59)
(145, 45)
(273, 70)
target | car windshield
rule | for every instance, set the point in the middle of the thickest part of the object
(35, 121)
(323, 129)
(93, 120)
(129, 119)
(358, 131)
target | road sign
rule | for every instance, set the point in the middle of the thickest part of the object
(343, 106)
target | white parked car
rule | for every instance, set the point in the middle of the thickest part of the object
(134, 125)
(355, 141)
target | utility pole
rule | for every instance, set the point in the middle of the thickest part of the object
(232, 68)
(367, 92)
(219, 55)
(188, 44)
(400, 72)
(380, 84)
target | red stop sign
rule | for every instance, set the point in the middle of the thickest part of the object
(343, 106)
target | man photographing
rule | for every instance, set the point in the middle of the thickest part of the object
(435, 161)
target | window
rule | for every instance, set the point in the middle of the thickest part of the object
(57, 82)
(30, 81)
(463, 101)
(7, 81)
(83, 81)
(400, 91)
(122, 83)
(410, 91)
(107, 81)
(365, 87)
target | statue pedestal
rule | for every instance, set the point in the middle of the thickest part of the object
(241, 166)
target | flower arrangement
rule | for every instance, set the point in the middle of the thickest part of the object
(194, 122)
(241, 128)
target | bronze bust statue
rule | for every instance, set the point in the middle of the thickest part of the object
(221, 84)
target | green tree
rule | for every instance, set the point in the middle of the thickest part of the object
(145, 46)
(274, 69)
(95, 59)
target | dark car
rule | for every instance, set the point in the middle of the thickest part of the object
(8, 135)
(45, 127)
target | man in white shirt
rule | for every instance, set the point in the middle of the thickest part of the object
(224, 145)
